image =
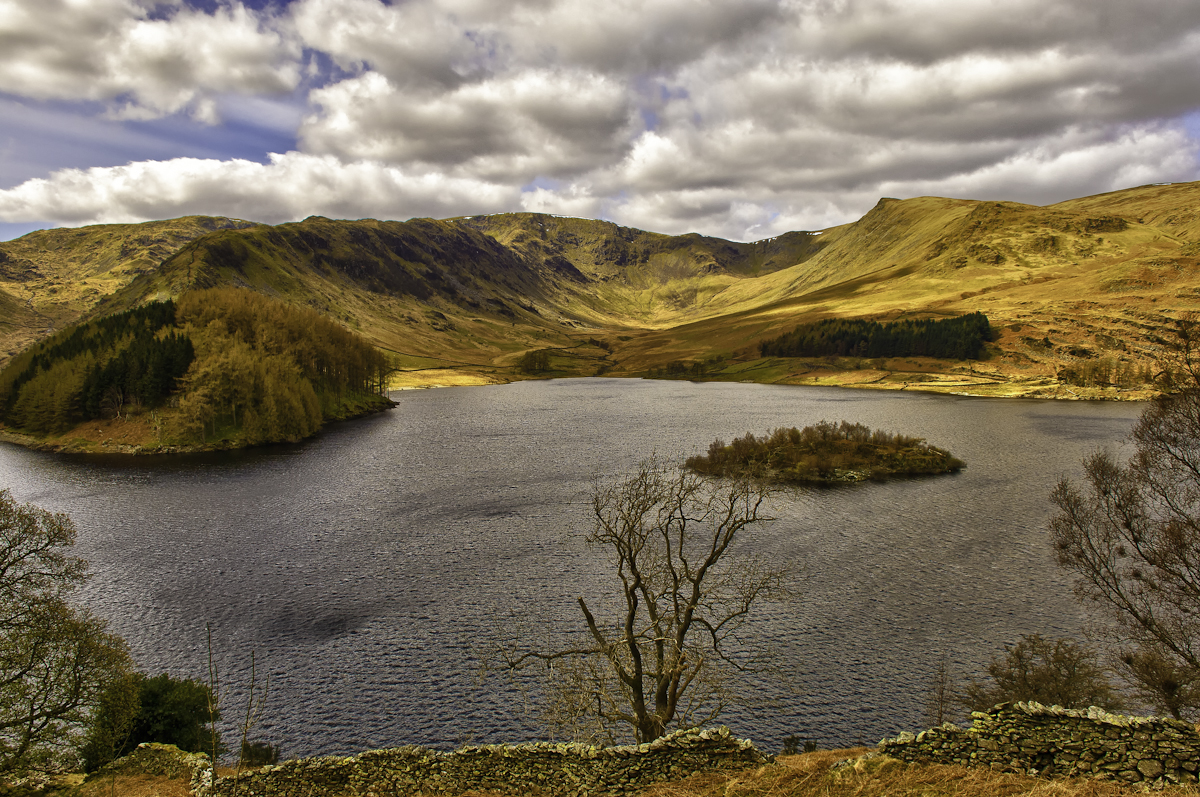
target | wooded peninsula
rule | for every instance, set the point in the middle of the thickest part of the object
(220, 368)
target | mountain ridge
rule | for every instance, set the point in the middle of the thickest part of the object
(465, 298)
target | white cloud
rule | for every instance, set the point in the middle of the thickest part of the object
(734, 118)
(415, 42)
(515, 127)
(146, 66)
(574, 201)
(287, 188)
(1079, 163)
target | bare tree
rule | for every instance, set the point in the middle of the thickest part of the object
(683, 593)
(939, 703)
(1159, 680)
(1131, 536)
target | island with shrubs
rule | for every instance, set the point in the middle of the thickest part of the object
(824, 453)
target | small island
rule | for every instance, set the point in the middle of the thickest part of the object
(825, 453)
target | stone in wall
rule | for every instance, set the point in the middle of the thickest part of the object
(541, 768)
(1054, 741)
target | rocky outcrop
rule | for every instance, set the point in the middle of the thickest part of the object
(1051, 740)
(528, 769)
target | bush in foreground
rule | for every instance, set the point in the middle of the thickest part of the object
(1054, 672)
(159, 709)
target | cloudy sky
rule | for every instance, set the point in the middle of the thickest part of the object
(737, 118)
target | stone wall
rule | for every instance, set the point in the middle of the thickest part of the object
(162, 760)
(1051, 740)
(529, 769)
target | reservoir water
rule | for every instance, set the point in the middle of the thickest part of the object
(367, 568)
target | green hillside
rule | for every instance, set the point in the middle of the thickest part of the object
(58, 276)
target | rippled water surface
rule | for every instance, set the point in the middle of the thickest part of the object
(366, 567)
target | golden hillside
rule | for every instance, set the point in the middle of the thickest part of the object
(1080, 292)
(51, 278)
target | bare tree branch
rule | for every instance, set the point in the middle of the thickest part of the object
(1131, 536)
(683, 593)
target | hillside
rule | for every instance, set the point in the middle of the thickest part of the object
(1073, 286)
(1079, 293)
(51, 278)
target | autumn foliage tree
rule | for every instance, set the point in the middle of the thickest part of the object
(269, 370)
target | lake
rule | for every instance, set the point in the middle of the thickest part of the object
(367, 568)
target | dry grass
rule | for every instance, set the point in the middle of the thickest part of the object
(131, 786)
(810, 775)
(441, 377)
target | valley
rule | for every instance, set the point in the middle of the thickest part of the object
(1081, 295)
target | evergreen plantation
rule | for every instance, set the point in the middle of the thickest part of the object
(219, 367)
(94, 369)
(960, 338)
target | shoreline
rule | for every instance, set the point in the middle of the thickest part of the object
(976, 386)
(981, 387)
(82, 446)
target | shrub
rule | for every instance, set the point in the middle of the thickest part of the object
(1055, 672)
(168, 710)
(257, 754)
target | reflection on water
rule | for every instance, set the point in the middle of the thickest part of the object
(367, 566)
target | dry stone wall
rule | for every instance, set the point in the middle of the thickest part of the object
(527, 769)
(162, 760)
(1051, 740)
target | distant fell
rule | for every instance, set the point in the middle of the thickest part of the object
(1081, 294)
(603, 250)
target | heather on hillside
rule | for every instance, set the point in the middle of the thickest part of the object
(960, 338)
(222, 366)
(824, 453)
